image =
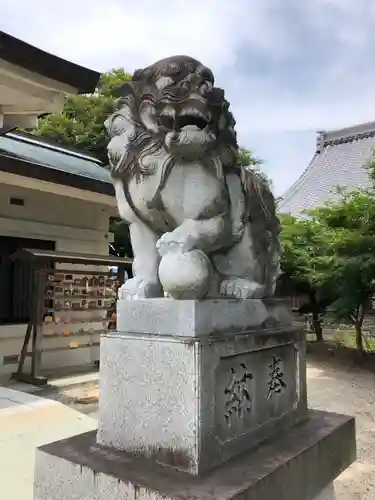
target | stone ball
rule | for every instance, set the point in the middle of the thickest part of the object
(185, 275)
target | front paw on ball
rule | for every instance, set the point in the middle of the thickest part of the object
(167, 244)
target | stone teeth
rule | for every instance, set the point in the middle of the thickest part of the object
(190, 127)
(188, 111)
(195, 112)
(169, 112)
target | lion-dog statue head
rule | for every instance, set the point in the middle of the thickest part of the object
(171, 108)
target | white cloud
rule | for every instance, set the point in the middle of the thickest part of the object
(139, 31)
(103, 35)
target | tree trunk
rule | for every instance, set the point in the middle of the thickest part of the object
(317, 324)
(358, 338)
(358, 329)
(316, 321)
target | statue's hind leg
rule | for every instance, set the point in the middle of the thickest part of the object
(241, 288)
(145, 283)
(241, 271)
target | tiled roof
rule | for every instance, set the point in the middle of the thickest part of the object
(53, 156)
(338, 161)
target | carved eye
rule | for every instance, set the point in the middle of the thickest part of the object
(171, 69)
(185, 86)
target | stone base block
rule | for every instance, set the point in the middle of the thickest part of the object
(193, 318)
(299, 465)
(195, 402)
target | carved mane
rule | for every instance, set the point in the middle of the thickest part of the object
(140, 143)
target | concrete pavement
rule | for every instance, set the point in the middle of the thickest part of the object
(28, 421)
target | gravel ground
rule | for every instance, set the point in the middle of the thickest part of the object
(344, 389)
(332, 386)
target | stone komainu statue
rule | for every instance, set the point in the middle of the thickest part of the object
(200, 225)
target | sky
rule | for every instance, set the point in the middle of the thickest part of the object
(289, 67)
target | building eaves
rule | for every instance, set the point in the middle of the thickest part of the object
(349, 134)
(27, 56)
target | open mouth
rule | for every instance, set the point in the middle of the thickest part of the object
(195, 121)
(179, 122)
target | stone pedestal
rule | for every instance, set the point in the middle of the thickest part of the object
(193, 411)
(193, 400)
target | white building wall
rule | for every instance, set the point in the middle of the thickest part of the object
(74, 225)
(70, 222)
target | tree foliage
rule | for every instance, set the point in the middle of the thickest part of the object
(347, 266)
(81, 123)
(303, 240)
(330, 255)
(246, 159)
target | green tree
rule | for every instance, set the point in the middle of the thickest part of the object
(81, 123)
(303, 240)
(330, 255)
(347, 265)
(246, 159)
